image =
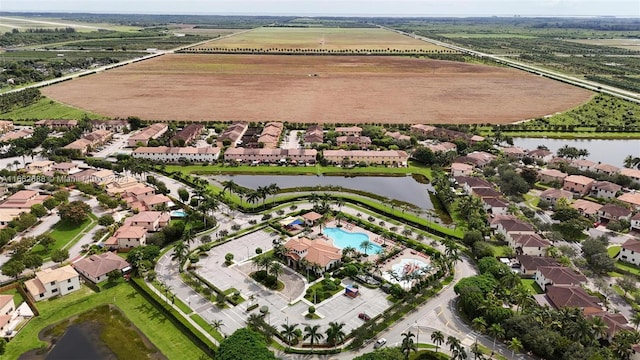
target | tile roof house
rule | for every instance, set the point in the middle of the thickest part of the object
(154, 202)
(605, 189)
(349, 130)
(631, 198)
(97, 266)
(615, 322)
(630, 252)
(23, 199)
(614, 212)
(270, 135)
(188, 134)
(468, 183)
(313, 135)
(482, 157)
(559, 296)
(151, 220)
(553, 195)
(127, 237)
(22, 133)
(551, 175)
(52, 282)
(65, 168)
(381, 157)
(317, 251)
(578, 184)
(514, 152)
(397, 136)
(582, 164)
(39, 167)
(176, 154)
(58, 124)
(496, 206)
(233, 133)
(153, 131)
(635, 222)
(540, 154)
(460, 169)
(634, 174)
(586, 207)
(514, 226)
(529, 244)
(485, 193)
(424, 130)
(111, 125)
(557, 275)
(529, 264)
(7, 313)
(271, 156)
(442, 147)
(601, 168)
(362, 142)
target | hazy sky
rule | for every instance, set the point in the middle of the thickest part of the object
(625, 8)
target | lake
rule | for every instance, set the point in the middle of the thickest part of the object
(607, 151)
(403, 188)
(80, 341)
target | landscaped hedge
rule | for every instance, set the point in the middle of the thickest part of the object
(312, 351)
(181, 323)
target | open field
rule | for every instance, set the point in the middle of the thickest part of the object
(321, 39)
(204, 31)
(326, 89)
(48, 109)
(23, 23)
(630, 44)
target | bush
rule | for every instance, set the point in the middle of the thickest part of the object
(312, 309)
(106, 220)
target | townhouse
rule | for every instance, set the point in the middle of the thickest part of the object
(553, 195)
(349, 130)
(605, 189)
(614, 212)
(270, 136)
(58, 124)
(177, 154)
(118, 126)
(126, 238)
(548, 176)
(379, 157)
(151, 132)
(557, 275)
(300, 156)
(578, 184)
(362, 142)
(53, 282)
(630, 252)
(313, 135)
(187, 135)
(96, 268)
(233, 134)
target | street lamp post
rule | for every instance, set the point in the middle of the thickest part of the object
(417, 334)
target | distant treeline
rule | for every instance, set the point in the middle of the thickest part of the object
(26, 97)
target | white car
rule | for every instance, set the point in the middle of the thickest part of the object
(380, 343)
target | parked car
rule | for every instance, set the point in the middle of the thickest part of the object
(380, 343)
(364, 317)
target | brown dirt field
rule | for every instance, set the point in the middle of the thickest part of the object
(347, 89)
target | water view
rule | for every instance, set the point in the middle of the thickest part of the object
(607, 151)
(403, 188)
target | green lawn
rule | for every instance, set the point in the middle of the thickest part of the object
(171, 342)
(48, 109)
(413, 168)
(628, 267)
(613, 250)
(206, 326)
(532, 285)
(66, 234)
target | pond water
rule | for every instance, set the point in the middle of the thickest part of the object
(403, 188)
(607, 151)
(80, 341)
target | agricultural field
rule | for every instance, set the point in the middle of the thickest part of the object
(326, 89)
(320, 38)
(7, 23)
(203, 30)
(629, 44)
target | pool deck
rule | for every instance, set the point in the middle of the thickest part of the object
(405, 254)
(352, 228)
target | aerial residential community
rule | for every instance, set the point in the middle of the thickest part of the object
(262, 187)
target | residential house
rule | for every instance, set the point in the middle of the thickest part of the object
(615, 322)
(635, 352)
(118, 126)
(98, 137)
(65, 168)
(605, 189)
(513, 152)
(468, 183)
(613, 212)
(424, 130)
(154, 202)
(362, 142)
(553, 195)
(151, 132)
(511, 226)
(127, 184)
(82, 146)
(316, 252)
(151, 220)
(557, 161)
(39, 167)
(482, 158)
(187, 135)
(177, 154)
(300, 156)
(127, 237)
(233, 134)
(486, 193)
(496, 206)
(313, 135)
(270, 135)
(635, 222)
(548, 176)
(529, 244)
(52, 282)
(582, 164)
(397, 136)
(97, 267)
(83, 176)
(560, 296)
(24, 199)
(601, 168)
(58, 124)
(460, 169)
(7, 215)
(586, 207)
(631, 198)
(557, 275)
(349, 130)
(630, 252)
(578, 184)
(474, 139)
(19, 134)
(529, 264)
(442, 147)
(633, 174)
(102, 177)
(380, 157)
(7, 313)
(540, 155)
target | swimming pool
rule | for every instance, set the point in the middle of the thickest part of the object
(406, 269)
(178, 213)
(342, 239)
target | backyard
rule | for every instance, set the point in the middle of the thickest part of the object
(66, 234)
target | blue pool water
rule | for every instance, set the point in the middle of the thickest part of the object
(178, 213)
(342, 239)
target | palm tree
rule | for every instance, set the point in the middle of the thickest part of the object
(515, 345)
(497, 331)
(580, 330)
(348, 251)
(312, 333)
(453, 342)
(339, 203)
(263, 261)
(598, 327)
(253, 196)
(255, 321)
(335, 334)
(635, 320)
(314, 198)
(339, 217)
(408, 344)
(479, 324)
(262, 191)
(632, 162)
(275, 270)
(180, 251)
(273, 190)
(229, 185)
(510, 281)
(216, 324)
(366, 245)
(289, 333)
(188, 236)
(438, 338)
(477, 351)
